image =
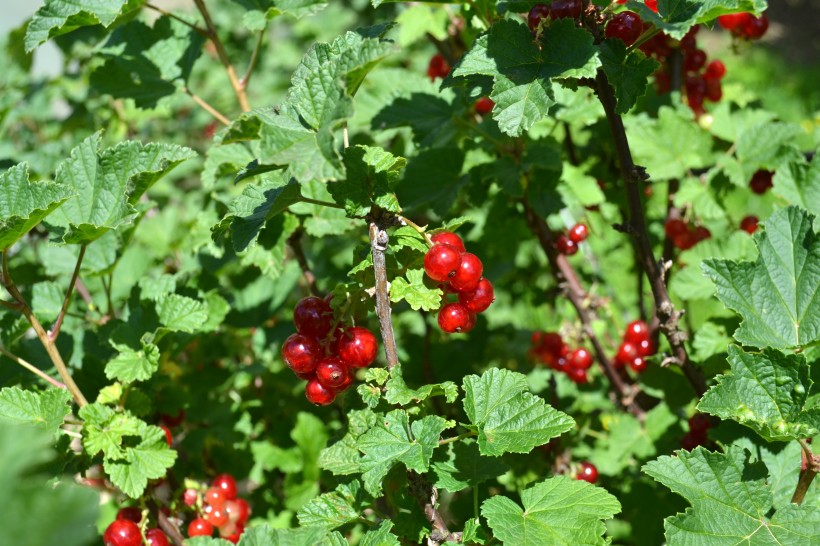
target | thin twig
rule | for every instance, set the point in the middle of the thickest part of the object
(238, 88)
(220, 117)
(295, 244)
(321, 203)
(48, 345)
(427, 497)
(170, 528)
(32, 368)
(422, 230)
(807, 475)
(378, 245)
(55, 329)
(633, 175)
(246, 79)
(189, 24)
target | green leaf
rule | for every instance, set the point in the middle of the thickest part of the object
(777, 296)
(676, 17)
(131, 365)
(108, 184)
(628, 74)
(626, 439)
(59, 17)
(508, 418)
(398, 393)
(432, 178)
(559, 510)
(333, 509)
(381, 536)
(181, 313)
(45, 410)
(24, 204)
(767, 392)
(47, 300)
(799, 183)
(371, 175)
(415, 292)
(343, 458)
(395, 440)
(730, 502)
(265, 535)
(463, 466)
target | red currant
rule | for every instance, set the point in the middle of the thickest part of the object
(441, 262)
(200, 528)
(313, 317)
(332, 372)
(587, 472)
(244, 511)
(674, 227)
(715, 70)
(702, 233)
(559, 363)
(714, 91)
(761, 181)
(227, 484)
(484, 106)
(449, 238)
(318, 394)
(578, 233)
(627, 352)
(155, 537)
(733, 21)
(580, 358)
(131, 513)
(646, 347)
(627, 26)
(216, 497)
(638, 365)
(438, 67)
(565, 245)
(190, 497)
(652, 4)
(755, 27)
(456, 318)
(168, 437)
(234, 536)
(468, 274)
(686, 240)
(560, 9)
(479, 299)
(636, 331)
(122, 532)
(537, 12)
(172, 421)
(216, 516)
(699, 423)
(749, 224)
(301, 353)
(357, 346)
(691, 440)
(577, 375)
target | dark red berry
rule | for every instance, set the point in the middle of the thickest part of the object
(638, 365)
(301, 353)
(685, 240)
(560, 9)
(122, 532)
(318, 394)
(587, 472)
(714, 91)
(468, 273)
(565, 245)
(577, 375)
(674, 227)
(578, 233)
(636, 331)
(332, 372)
(455, 317)
(227, 484)
(172, 420)
(755, 27)
(749, 224)
(695, 87)
(537, 12)
(761, 181)
(131, 513)
(357, 346)
(200, 527)
(694, 60)
(627, 352)
(441, 262)
(313, 317)
(715, 70)
(449, 238)
(692, 440)
(627, 26)
(559, 363)
(580, 358)
(438, 67)
(702, 233)
(484, 106)
(733, 21)
(699, 423)
(479, 299)
(155, 537)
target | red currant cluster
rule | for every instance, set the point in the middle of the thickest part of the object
(568, 243)
(460, 272)
(438, 67)
(221, 508)
(558, 9)
(326, 361)
(587, 472)
(484, 106)
(684, 236)
(125, 530)
(699, 425)
(745, 25)
(549, 348)
(635, 347)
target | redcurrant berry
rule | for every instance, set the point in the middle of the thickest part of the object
(313, 317)
(755, 27)
(438, 67)
(122, 532)
(357, 346)
(691, 440)
(685, 240)
(699, 423)
(215, 516)
(441, 262)
(560, 9)
(636, 331)
(761, 181)
(200, 528)
(702, 233)
(332, 372)
(734, 21)
(449, 238)
(749, 224)
(646, 347)
(456, 318)
(638, 365)
(484, 106)
(215, 497)
(715, 70)
(537, 12)
(468, 273)
(626, 26)
(577, 375)
(714, 91)
(155, 537)
(190, 497)
(587, 472)
(227, 484)
(627, 352)
(301, 353)
(580, 358)
(233, 536)
(244, 511)
(694, 60)
(652, 4)
(479, 299)
(318, 394)
(675, 227)
(578, 233)
(131, 513)
(565, 245)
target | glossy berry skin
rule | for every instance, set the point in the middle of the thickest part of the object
(761, 181)
(587, 472)
(190, 497)
(215, 497)
(449, 238)
(566, 246)
(301, 353)
(638, 365)
(332, 372)
(636, 331)
(646, 348)
(733, 21)
(130, 513)
(122, 532)
(313, 317)
(484, 106)
(438, 67)
(561, 9)
(578, 233)
(580, 358)
(714, 90)
(155, 537)
(577, 375)
(479, 299)
(694, 60)
(200, 528)
(468, 274)
(441, 262)
(244, 511)
(318, 394)
(715, 70)
(456, 318)
(227, 484)
(755, 27)
(749, 224)
(216, 516)
(627, 352)
(627, 26)
(537, 12)
(357, 346)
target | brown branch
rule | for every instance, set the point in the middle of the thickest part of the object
(169, 528)
(246, 79)
(55, 328)
(378, 245)
(220, 117)
(807, 475)
(633, 175)
(192, 26)
(238, 88)
(427, 497)
(566, 276)
(31, 367)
